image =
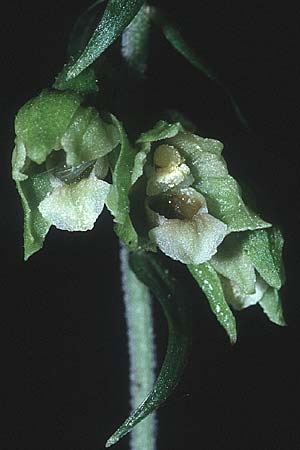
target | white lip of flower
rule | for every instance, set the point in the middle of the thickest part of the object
(170, 171)
(191, 240)
(76, 206)
(238, 299)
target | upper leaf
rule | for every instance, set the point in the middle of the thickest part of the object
(173, 35)
(117, 15)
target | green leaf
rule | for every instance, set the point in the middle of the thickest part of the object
(118, 198)
(151, 271)
(173, 35)
(232, 262)
(161, 130)
(84, 83)
(271, 305)
(225, 202)
(264, 248)
(135, 41)
(210, 283)
(117, 15)
(83, 29)
(32, 191)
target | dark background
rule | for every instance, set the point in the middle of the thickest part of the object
(64, 357)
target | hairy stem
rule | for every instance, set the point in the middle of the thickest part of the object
(141, 351)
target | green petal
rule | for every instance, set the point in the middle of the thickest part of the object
(117, 15)
(88, 137)
(76, 206)
(150, 270)
(271, 305)
(140, 161)
(264, 248)
(32, 191)
(210, 283)
(189, 241)
(161, 130)
(225, 202)
(42, 121)
(118, 198)
(232, 262)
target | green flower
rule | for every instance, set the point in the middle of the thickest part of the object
(59, 162)
(191, 200)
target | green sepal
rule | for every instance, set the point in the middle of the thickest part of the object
(210, 283)
(32, 191)
(150, 270)
(272, 307)
(161, 130)
(225, 202)
(135, 41)
(84, 83)
(117, 15)
(264, 248)
(233, 263)
(118, 197)
(42, 121)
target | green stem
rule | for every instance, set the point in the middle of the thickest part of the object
(141, 352)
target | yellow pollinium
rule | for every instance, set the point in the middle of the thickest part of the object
(166, 156)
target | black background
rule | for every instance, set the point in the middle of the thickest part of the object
(64, 357)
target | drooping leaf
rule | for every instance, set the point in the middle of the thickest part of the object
(118, 198)
(135, 41)
(209, 281)
(173, 35)
(233, 263)
(264, 248)
(271, 305)
(225, 202)
(32, 191)
(117, 15)
(150, 270)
